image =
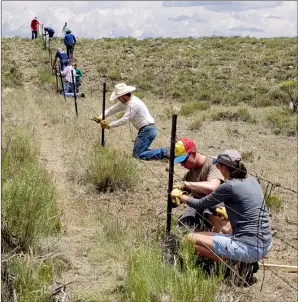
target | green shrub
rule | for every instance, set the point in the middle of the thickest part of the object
(241, 114)
(11, 74)
(274, 203)
(188, 108)
(45, 78)
(28, 195)
(114, 75)
(149, 278)
(283, 121)
(290, 88)
(111, 169)
(196, 124)
(32, 279)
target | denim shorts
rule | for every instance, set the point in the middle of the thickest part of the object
(226, 246)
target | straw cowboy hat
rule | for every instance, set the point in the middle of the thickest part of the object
(121, 89)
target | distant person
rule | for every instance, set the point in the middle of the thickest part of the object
(79, 76)
(64, 29)
(63, 57)
(70, 41)
(34, 27)
(69, 84)
(67, 75)
(49, 31)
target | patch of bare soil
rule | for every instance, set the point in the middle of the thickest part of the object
(78, 236)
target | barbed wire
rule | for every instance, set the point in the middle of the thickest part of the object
(258, 177)
(210, 157)
(235, 241)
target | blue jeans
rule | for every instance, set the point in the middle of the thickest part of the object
(143, 141)
(68, 89)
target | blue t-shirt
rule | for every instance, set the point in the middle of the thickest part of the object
(50, 30)
(69, 39)
(62, 55)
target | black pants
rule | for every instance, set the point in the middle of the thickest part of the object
(69, 49)
(34, 34)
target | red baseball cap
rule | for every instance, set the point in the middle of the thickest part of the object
(183, 147)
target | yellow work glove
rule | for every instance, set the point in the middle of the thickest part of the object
(222, 213)
(96, 119)
(175, 194)
(179, 185)
(104, 124)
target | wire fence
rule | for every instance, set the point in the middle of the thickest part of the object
(87, 107)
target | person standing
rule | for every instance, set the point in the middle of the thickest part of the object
(64, 29)
(34, 28)
(70, 41)
(136, 112)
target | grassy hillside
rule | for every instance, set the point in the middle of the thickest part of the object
(229, 96)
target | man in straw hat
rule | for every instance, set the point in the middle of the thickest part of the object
(138, 114)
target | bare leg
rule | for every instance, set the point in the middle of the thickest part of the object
(203, 242)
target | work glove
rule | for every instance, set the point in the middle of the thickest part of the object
(175, 194)
(104, 124)
(179, 185)
(96, 119)
(222, 213)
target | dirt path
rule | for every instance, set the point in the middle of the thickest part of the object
(78, 238)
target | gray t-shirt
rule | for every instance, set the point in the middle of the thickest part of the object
(246, 208)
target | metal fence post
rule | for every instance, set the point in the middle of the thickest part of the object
(171, 173)
(74, 92)
(103, 112)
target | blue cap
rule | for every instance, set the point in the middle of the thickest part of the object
(181, 159)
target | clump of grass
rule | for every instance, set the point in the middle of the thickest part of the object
(247, 156)
(196, 124)
(189, 108)
(149, 278)
(241, 114)
(28, 195)
(290, 88)
(32, 278)
(111, 169)
(45, 78)
(119, 115)
(114, 75)
(11, 74)
(274, 203)
(283, 122)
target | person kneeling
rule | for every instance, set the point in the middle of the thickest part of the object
(249, 238)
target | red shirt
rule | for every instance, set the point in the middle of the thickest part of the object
(34, 25)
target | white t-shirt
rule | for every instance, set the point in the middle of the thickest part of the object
(67, 73)
(135, 111)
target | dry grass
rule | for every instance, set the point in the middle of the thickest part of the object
(91, 219)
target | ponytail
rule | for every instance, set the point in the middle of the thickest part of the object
(239, 171)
